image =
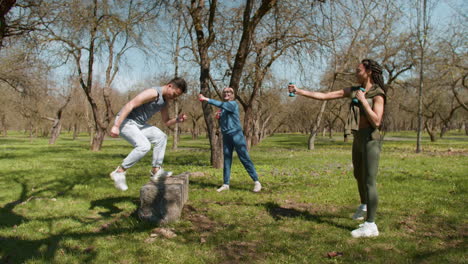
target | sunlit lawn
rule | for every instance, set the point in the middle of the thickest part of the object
(58, 205)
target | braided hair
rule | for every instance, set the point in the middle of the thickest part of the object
(377, 78)
(376, 70)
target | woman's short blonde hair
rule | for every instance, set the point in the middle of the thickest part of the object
(232, 95)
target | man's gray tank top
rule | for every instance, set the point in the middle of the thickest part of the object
(145, 111)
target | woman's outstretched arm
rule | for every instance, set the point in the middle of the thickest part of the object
(319, 95)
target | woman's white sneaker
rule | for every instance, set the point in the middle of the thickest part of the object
(119, 179)
(225, 187)
(366, 230)
(257, 186)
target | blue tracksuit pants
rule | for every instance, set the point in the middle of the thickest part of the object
(236, 141)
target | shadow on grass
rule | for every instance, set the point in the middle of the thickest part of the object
(110, 204)
(59, 187)
(278, 212)
(17, 249)
(10, 218)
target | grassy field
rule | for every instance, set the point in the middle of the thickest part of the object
(58, 205)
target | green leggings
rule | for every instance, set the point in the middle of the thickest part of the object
(366, 154)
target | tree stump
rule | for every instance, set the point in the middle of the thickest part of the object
(162, 201)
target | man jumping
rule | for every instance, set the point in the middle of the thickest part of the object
(130, 123)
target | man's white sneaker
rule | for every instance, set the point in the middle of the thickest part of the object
(119, 179)
(361, 212)
(257, 186)
(225, 187)
(161, 173)
(366, 230)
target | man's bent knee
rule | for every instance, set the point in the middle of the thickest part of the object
(144, 147)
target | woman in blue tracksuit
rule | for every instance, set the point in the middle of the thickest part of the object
(233, 137)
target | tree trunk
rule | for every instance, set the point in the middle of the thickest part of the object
(263, 124)
(31, 131)
(422, 42)
(91, 136)
(100, 124)
(214, 135)
(75, 130)
(4, 125)
(316, 127)
(430, 131)
(55, 131)
(249, 24)
(98, 138)
(256, 133)
(175, 135)
(204, 42)
(216, 141)
(443, 130)
(248, 125)
(194, 129)
(57, 126)
(44, 132)
(99, 127)
(314, 130)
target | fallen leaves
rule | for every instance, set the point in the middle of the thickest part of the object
(167, 233)
(164, 232)
(334, 254)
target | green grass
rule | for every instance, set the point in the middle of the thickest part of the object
(58, 205)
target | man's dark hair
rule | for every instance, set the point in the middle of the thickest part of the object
(179, 83)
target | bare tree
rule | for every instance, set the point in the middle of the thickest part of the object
(203, 18)
(453, 66)
(195, 114)
(175, 137)
(270, 115)
(76, 111)
(87, 30)
(362, 30)
(423, 23)
(57, 121)
(285, 37)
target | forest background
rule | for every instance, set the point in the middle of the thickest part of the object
(73, 64)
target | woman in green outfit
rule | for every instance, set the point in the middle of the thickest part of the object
(364, 121)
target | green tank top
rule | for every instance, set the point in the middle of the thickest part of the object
(356, 109)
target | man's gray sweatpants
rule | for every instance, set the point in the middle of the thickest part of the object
(141, 137)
